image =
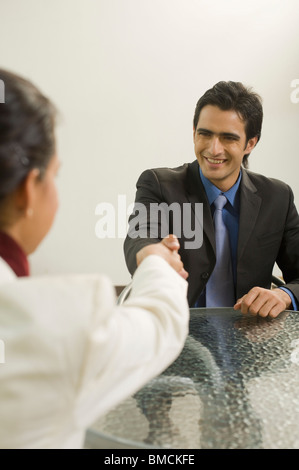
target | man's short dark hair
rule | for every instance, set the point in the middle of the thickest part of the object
(235, 96)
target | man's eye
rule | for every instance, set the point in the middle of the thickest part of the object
(204, 134)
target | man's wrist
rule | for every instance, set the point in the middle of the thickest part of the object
(285, 297)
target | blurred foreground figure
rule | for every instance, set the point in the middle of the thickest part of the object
(70, 353)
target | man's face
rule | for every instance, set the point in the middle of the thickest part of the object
(220, 144)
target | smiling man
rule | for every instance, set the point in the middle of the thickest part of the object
(255, 226)
(220, 144)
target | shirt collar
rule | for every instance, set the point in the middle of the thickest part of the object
(213, 192)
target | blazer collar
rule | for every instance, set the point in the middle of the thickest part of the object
(250, 204)
(196, 193)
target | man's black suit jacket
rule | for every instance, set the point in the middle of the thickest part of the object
(268, 228)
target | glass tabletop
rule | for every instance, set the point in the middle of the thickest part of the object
(235, 385)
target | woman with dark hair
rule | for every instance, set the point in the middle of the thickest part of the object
(70, 353)
(28, 165)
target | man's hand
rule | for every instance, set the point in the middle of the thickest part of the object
(167, 249)
(264, 302)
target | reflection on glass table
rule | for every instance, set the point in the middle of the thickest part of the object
(234, 386)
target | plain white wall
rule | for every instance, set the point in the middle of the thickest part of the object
(126, 76)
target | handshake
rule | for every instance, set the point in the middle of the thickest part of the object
(167, 249)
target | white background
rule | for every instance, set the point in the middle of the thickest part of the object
(126, 76)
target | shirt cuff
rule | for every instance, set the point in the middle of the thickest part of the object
(294, 303)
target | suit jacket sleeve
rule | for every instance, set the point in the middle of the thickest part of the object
(288, 255)
(141, 338)
(141, 231)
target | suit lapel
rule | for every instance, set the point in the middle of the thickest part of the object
(250, 204)
(195, 194)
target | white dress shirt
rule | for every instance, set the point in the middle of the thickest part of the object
(71, 354)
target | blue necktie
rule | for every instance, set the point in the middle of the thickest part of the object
(220, 286)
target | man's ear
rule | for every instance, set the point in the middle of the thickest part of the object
(250, 145)
(26, 193)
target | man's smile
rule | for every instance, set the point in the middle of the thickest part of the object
(215, 161)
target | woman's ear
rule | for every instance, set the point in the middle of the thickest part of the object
(26, 193)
